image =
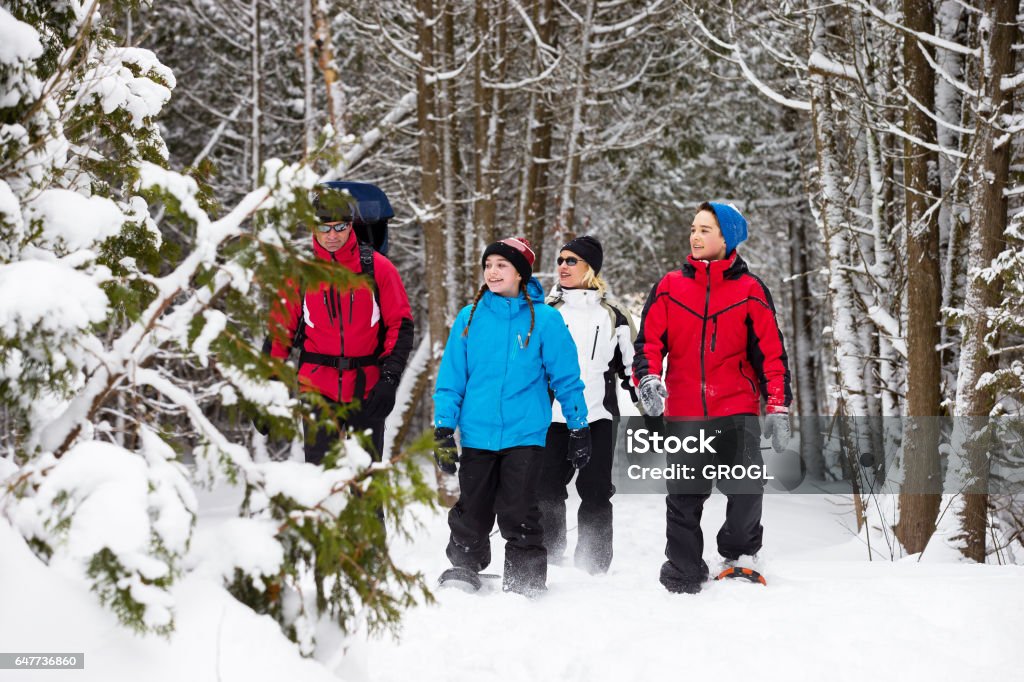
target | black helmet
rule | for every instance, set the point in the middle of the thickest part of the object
(331, 205)
(372, 211)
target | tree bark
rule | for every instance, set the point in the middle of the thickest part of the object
(920, 497)
(989, 173)
(433, 233)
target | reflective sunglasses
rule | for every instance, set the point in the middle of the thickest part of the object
(570, 261)
(337, 226)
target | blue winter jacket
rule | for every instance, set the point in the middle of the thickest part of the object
(494, 387)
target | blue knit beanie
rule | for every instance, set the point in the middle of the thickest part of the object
(732, 224)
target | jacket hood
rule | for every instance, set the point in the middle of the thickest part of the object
(534, 290)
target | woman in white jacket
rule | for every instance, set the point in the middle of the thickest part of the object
(604, 332)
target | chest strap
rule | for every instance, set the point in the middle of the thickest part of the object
(337, 362)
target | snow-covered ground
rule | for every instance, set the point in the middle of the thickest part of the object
(828, 612)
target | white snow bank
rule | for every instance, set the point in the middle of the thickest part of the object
(47, 296)
(216, 638)
(246, 544)
(73, 219)
(18, 41)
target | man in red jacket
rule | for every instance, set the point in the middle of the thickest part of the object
(715, 324)
(354, 340)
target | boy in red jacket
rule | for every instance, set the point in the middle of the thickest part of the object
(715, 324)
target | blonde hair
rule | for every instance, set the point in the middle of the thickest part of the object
(592, 280)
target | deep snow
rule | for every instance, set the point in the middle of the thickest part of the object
(827, 612)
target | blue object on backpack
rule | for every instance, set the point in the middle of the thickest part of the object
(374, 212)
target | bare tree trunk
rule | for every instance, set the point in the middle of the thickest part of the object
(433, 232)
(574, 136)
(484, 205)
(989, 174)
(257, 95)
(920, 497)
(806, 369)
(307, 78)
(337, 112)
(451, 165)
(533, 196)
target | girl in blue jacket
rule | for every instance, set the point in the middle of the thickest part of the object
(505, 352)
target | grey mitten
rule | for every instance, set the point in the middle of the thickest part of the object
(652, 395)
(776, 425)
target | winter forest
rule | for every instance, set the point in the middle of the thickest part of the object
(156, 165)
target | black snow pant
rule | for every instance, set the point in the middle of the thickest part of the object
(738, 443)
(500, 484)
(319, 440)
(594, 484)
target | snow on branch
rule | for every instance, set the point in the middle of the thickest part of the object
(371, 138)
(545, 50)
(647, 12)
(928, 38)
(890, 326)
(532, 80)
(825, 65)
(736, 56)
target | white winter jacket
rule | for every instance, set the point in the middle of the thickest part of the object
(604, 332)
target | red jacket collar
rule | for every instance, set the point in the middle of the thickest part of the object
(716, 269)
(348, 255)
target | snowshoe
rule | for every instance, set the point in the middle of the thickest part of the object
(460, 579)
(749, 574)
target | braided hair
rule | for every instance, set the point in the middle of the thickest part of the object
(480, 294)
(472, 312)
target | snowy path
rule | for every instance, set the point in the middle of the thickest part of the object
(828, 612)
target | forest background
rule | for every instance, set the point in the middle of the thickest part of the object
(874, 146)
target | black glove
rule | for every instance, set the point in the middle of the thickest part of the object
(445, 453)
(381, 399)
(579, 447)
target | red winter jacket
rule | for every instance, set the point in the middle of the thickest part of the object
(348, 323)
(716, 323)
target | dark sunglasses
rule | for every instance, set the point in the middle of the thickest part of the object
(570, 261)
(339, 226)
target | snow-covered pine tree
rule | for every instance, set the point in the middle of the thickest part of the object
(127, 363)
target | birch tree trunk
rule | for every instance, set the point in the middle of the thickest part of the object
(843, 302)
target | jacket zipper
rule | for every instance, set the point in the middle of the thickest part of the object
(351, 305)
(703, 336)
(328, 307)
(593, 350)
(752, 387)
(714, 333)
